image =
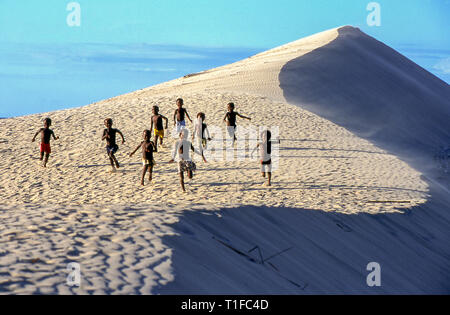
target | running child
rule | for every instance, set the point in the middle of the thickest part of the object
(148, 147)
(46, 134)
(157, 125)
(230, 119)
(181, 153)
(179, 116)
(265, 155)
(109, 134)
(201, 132)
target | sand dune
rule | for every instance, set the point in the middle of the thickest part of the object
(373, 91)
(130, 239)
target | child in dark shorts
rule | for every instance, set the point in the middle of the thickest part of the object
(109, 134)
(148, 148)
(230, 119)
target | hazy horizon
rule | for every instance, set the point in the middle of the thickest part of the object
(41, 78)
(48, 60)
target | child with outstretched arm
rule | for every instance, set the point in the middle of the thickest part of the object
(230, 119)
(109, 134)
(157, 125)
(148, 147)
(181, 153)
(46, 134)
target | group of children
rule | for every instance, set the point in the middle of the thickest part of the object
(182, 147)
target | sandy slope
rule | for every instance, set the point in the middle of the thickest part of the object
(322, 166)
(154, 239)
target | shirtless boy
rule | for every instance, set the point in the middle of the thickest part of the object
(230, 119)
(109, 134)
(148, 147)
(46, 134)
(157, 125)
(179, 116)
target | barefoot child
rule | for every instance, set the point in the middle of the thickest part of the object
(109, 134)
(157, 125)
(46, 134)
(230, 119)
(181, 153)
(178, 116)
(201, 132)
(148, 147)
(265, 155)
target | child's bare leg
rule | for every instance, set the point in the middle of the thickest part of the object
(182, 181)
(111, 160)
(115, 160)
(150, 173)
(42, 156)
(156, 141)
(269, 178)
(263, 174)
(190, 174)
(47, 155)
(144, 170)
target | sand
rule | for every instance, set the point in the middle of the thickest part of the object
(321, 166)
(77, 210)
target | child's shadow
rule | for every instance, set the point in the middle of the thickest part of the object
(105, 165)
(92, 165)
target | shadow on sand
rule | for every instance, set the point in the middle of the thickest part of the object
(309, 252)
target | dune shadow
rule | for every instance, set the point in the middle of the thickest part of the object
(276, 250)
(368, 88)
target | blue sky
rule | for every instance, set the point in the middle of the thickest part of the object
(250, 23)
(124, 45)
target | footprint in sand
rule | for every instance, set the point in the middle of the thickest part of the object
(343, 226)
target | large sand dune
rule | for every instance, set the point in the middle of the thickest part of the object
(355, 183)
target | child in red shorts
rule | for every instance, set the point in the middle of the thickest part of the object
(46, 134)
